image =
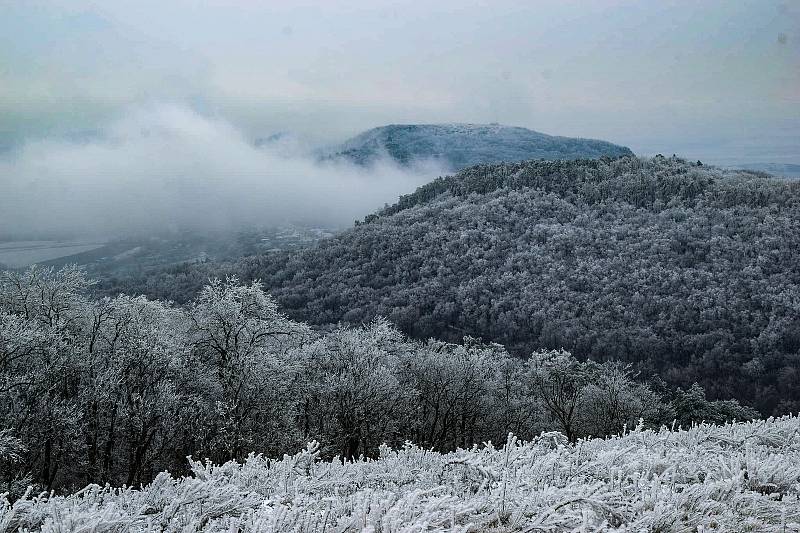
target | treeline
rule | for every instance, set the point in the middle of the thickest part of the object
(686, 271)
(115, 390)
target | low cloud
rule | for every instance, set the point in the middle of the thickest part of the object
(168, 167)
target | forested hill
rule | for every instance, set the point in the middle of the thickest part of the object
(456, 146)
(689, 271)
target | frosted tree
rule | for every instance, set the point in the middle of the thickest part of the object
(515, 409)
(614, 400)
(237, 332)
(561, 382)
(454, 385)
(355, 399)
(132, 366)
(49, 296)
(41, 312)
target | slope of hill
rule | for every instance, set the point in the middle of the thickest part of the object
(688, 271)
(456, 146)
(740, 477)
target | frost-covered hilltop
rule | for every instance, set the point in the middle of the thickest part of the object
(739, 477)
(689, 271)
(457, 146)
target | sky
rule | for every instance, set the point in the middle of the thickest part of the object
(720, 78)
(712, 80)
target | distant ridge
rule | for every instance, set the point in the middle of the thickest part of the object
(458, 146)
(790, 170)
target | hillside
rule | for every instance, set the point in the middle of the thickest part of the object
(685, 270)
(457, 146)
(740, 477)
(688, 271)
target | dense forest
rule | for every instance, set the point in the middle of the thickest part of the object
(686, 271)
(116, 390)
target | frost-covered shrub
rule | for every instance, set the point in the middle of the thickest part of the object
(736, 477)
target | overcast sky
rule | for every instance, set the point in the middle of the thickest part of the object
(715, 80)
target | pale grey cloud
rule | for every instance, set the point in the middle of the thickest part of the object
(657, 76)
(166, 167)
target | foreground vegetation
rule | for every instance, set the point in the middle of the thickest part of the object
(739, 477)
(119, 389)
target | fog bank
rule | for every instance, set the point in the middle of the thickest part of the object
(167, 167)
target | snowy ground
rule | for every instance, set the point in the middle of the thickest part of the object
(741, 477)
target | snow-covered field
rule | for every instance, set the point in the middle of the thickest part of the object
(740, 477)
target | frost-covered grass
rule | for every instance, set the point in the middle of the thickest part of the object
(738, 477)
